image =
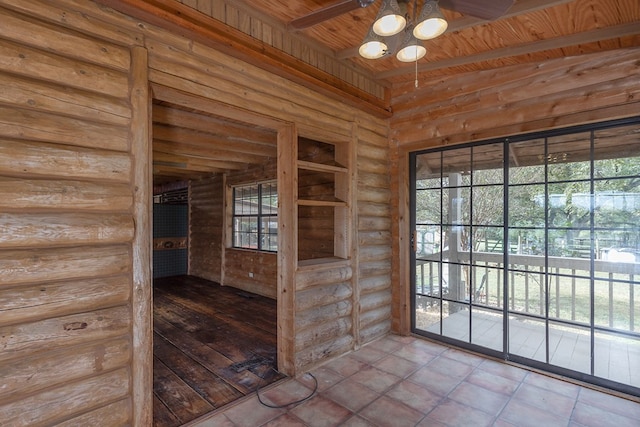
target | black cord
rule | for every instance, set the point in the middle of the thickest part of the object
(315, 389)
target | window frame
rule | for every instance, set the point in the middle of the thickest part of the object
(259, 217)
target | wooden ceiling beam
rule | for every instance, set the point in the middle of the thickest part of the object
(601, 34)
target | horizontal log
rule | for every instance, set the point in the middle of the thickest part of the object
(19, 341)
(374, 209)
(329, 330)
(373, 195)
(42, 159)
(48, 66)
(27, 376)
(374, 331)
(374, 223)
(46, 127)
(115, 414)
(375, 268)
(22, 194)
(80, 18)
(377, 316)
(46, 265)
(373, 237)
(315, 315)
(374, 300)
(374, 253)
(53, 98)
(374, 284)
(323, 295)
(311, 357)
(26, 31)
(323, 275)
(44, 230)
(61, 403)
(45, 300)
(370, 180)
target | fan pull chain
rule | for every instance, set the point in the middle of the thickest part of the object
(416, 82)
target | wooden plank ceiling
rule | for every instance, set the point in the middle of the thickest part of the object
(531, 31)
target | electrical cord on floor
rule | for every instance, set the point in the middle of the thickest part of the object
(296, 402)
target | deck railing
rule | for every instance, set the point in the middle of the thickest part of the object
(562, 283)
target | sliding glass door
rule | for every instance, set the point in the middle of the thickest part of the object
(529, 249)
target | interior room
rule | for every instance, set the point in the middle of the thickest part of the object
(367, 212)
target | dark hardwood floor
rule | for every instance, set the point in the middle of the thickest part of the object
(212, 345)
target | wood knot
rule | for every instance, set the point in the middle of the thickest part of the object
(74, 326)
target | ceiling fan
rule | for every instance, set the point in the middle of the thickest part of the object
(488, 10)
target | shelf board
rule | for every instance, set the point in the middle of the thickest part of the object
(316, 202)
(309, 264)
(320, 167)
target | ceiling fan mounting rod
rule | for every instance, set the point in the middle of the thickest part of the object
(365, 3)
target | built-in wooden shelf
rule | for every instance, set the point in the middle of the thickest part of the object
(320, 167)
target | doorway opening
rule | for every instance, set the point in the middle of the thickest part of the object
(528, 249)
(215, 302)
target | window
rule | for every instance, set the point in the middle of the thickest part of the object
(255, 216)
(528, 249)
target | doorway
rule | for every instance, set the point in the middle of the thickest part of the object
(527, 249)
(209, 147)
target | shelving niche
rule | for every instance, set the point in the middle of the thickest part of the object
(323, 201)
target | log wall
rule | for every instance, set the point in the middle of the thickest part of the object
(499, 103)
(206, 211)
(75, 200)
(67, 222)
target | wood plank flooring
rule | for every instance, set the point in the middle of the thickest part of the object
(212, 345)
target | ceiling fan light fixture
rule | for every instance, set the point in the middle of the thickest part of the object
(411, 49)
(373, 46)
(430, 23)
(390, 19)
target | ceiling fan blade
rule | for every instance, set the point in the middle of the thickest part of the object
(489, 9)
(328, 12)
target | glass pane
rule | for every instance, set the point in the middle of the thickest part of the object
(570, 347)
(487, 288)
(569, 157)
(428, 206)
(269, 199)
(269, 233)
(455, 281)
(615, 304)
(456, 244)
(570, 205)
(570, 298)
(570, 243)
(246, 200)
(527, 290)
(486, 240)
(617, 207)
(527, 206)
(456, 167)
(526, 162)
(527, 337)
(430, 280)
(617, 152)
(527, 241)
(488, 164)
(455, 321)
(617, 358)
(488, 205)
(428, 314)
(428, 169)
(427, 240)
(456, 206)
(487, 328)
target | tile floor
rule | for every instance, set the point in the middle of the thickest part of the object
(407, 381)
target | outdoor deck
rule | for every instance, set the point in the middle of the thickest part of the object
(616, 358)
